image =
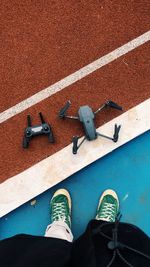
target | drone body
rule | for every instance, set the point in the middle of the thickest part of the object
(86, 117)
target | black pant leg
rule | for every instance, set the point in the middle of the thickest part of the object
(34, 251)
(92, 250)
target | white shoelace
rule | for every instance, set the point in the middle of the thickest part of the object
(107, 212)
(59, 212)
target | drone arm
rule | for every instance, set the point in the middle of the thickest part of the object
(75, 144)
(115, 136)
(82, 142)
(105, 136)
(109, 104)
(62, 112)
(72, 117)
(99, 109)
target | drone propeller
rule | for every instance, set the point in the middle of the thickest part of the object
(63, 111)
(75, 144)
(116, 133)
(113, 105)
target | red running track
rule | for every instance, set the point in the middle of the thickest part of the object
(44, 42)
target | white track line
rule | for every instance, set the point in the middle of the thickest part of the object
(54, 169)
(74, 77)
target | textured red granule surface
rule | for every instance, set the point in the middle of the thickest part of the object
(41, 42)
(125, 81)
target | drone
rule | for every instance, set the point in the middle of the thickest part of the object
(86, 117)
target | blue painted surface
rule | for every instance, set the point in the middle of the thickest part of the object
(126, 170)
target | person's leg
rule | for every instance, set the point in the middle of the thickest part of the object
(89, 248)
(122, 243)
(52, 250)
(59, 231)
(106, 242)
(60, 226)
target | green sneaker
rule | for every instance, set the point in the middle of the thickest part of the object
(61, 207)
(108, 206)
